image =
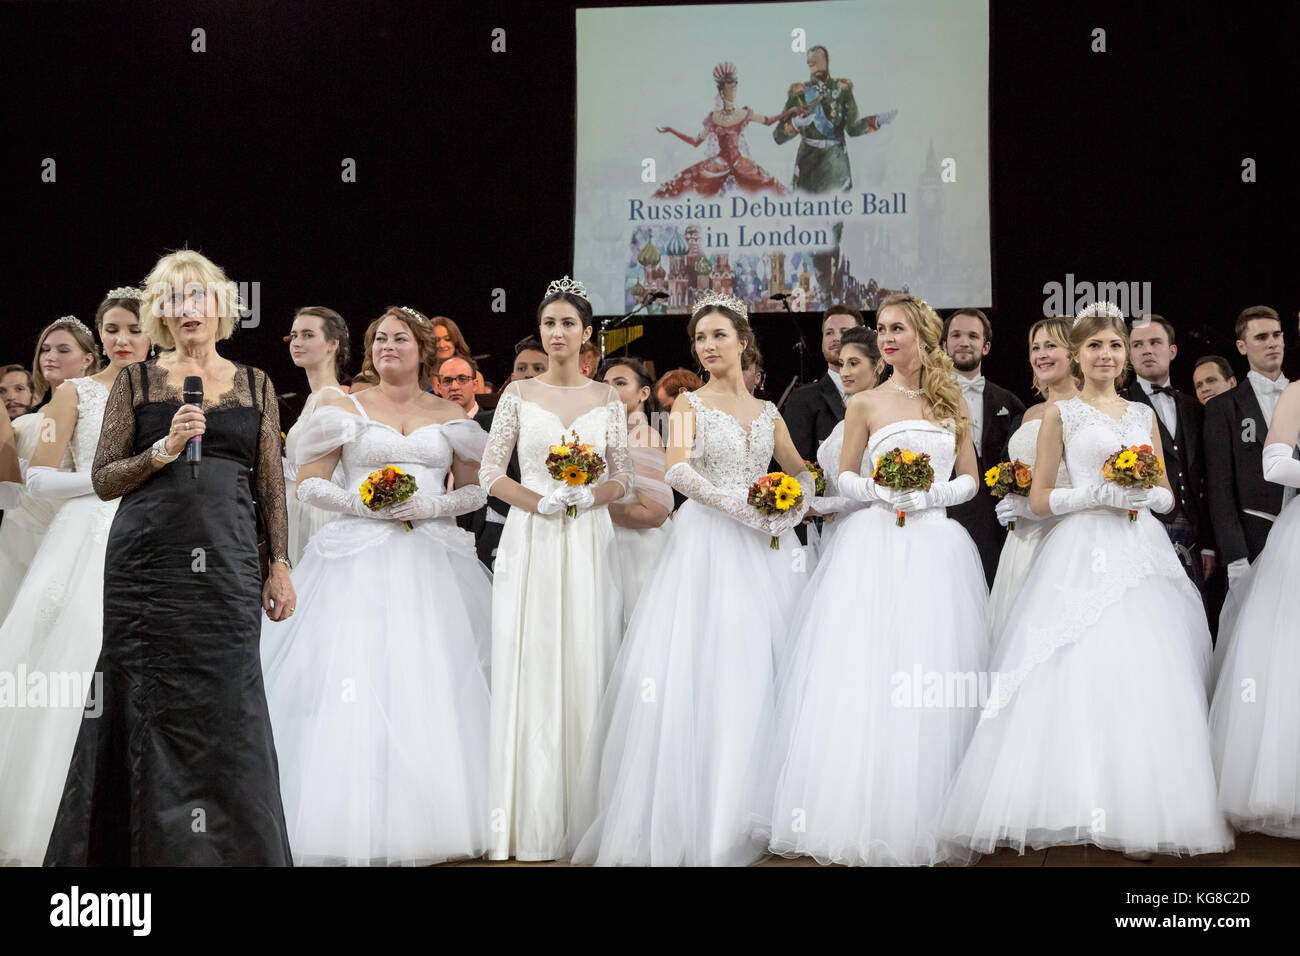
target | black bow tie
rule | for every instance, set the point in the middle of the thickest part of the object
(1157, 389)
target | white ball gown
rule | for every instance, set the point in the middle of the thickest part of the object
(1097, 733)
(557, 614)
(675, 765)
(1255, 716)
(53, 635)
(867, 738)
(1020, 549)
(24, 526)
(304, 519)
(378, 686)
(638, 547)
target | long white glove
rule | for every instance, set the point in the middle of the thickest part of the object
(50, 483)
(327, 496)
(1236, 569)
(834, 504)
(853, 485)
(580, 497)
(422, 505)
(1157, 499)
(698, 488)
(1279, 467)
(1015, 508)
(942, 494)
(1107, 494)
(557, 500)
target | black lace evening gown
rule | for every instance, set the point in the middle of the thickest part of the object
(180, 767)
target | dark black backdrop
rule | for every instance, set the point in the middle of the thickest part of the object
(1122, 166)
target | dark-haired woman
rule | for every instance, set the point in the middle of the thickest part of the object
(639, 516)
(557, 610)
(318, 344)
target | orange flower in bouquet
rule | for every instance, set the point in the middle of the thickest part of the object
(905, 471)
(388, 486)
(775, 493)
(1133, 467)
(1009, 478)
(575, 464)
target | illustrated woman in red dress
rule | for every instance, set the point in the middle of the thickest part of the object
(723, 134)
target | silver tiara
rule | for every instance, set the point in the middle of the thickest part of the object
(70, 320)
(571, 286)
(412, 313)
(714, 299)
(1102, 308)
(124, 292)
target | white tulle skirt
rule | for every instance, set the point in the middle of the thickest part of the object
(51, 639)
(1019, 552)
(304, 521)
(878, 692)
(378, 694)
(20, 537)
(1255, 717)
(637, 550)
(1097, 732)
(675, 762)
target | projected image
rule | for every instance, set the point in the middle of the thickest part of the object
(830, 172)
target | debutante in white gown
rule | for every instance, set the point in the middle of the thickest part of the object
(638, 547)
(304, 519)
(1021, 547)
(685, 724)
(1098, 731)
(24, 526)
(1255, 717)
(49, 643)
(557, 614)
(880, 686)
(378, 686)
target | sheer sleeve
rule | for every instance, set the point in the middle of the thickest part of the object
(328, 430)
(116, 471)
(501, 440)
(467, 438)
(648, 468)
(617, 461)
(270, 475)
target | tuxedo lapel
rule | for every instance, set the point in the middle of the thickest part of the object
(831, 396)
(1249, 407)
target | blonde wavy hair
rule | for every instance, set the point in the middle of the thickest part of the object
(180, 270)
(85, 341)
(1058, 331)
(938, 377)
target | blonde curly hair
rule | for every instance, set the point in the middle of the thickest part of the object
(938, 377)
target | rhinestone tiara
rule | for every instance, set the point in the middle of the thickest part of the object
(412, 313)
(70, 320)
(124, 292)
(1107, 309)
(713, 299)
(571, 286)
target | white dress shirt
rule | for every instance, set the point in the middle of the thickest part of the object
(1163, 403)
(1266, 392)
(839, 384)
(972, 389)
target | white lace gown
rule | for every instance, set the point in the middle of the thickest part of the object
(878, 693)
(638, 547)
(557, 614)
(685, 724)
(304, 519)
(378, 686)
(52, 635)
(24, 526)
(1255, 716)
(1022, 545)
(1097, 732)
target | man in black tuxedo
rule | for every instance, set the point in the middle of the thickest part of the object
(1180, 419)
(486, 523)
(812, 411)
(967, 337)
(1242, 504)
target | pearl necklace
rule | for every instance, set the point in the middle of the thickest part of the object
(909, 392)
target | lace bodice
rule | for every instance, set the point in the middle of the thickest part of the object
(532, 416)
(724, 452)
(1091, 436)
(1023, 445)
(92, 397)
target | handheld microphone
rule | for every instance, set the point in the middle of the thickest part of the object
(658, 295)
(192, 394)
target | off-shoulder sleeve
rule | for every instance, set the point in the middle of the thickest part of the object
(648, 467)
(116, 471)
(328, 429)
(618, 463)
(270, 476)
(467, 438)
(501, 440)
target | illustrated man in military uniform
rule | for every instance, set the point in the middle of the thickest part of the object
(822, 164)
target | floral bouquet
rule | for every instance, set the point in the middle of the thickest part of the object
(1009, 478)
(1131, 467)
(774, 493)
(388, 486)
(905, 471)
(819, 482)
(575, 464)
